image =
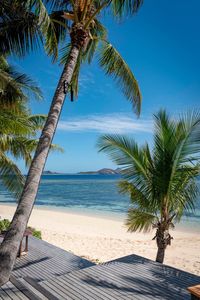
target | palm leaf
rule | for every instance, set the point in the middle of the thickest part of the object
(11, 175)
(124, 152)
(37, 121)
(138, 220)
(19, 30)
(122, 8)
(113, 64)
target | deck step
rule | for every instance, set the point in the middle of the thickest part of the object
(28, 289)
(40, 289)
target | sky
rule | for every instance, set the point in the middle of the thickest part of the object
(161, 44)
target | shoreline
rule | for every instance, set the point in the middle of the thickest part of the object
(102, 239)
(186, 225)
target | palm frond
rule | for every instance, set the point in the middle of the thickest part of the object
(52, 25)
(16, 124)
(140, 195)
(138, 220)
(64, 53)
(57, 4)
(19, 30)
(16, 87)
(188, 129)
(114, 65)
(57, 148)
(74, 86)
(124, 152)
(11, 176)
(37, 121)
(123, 8)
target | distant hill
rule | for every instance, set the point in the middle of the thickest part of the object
(104, 171)
(50, 173)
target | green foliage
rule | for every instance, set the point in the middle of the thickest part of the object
(4, 225)
(51, 23)
(36, 233)
(19, 30)
(122, 8)
(113, 64)
(161, 182)
(15, 87)
(142, 220)
(18, 126)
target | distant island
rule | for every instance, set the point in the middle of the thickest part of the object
(104, 171)
(51, 173)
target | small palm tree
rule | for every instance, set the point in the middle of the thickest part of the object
(161, 182)
(77, 24)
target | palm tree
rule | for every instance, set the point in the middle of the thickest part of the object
(17, 140)
(161, 182)
(18, 128)
(86, 35)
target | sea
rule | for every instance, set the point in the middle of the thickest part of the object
(96, 195)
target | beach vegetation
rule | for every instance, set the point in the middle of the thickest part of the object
(5, 224)
(161, 180)
(19, 128)
(75, 26)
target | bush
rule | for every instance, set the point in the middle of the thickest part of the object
(5, 223)
(36, 233)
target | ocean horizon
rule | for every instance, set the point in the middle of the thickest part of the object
(96, 195)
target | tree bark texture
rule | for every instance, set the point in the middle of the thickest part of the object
(11, 242)
(163, 239)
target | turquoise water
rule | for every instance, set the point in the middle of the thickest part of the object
(93, 194)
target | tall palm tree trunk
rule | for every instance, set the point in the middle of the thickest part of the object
(9, 247)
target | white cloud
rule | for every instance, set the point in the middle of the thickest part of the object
(113, 123)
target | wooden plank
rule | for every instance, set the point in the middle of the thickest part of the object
(41, 267)
(3, 294)
(194, 290)
(13, 292)
(136, 285)
(70, 294)
(101, 292)
(29, 293)
(77, 288)
(40, 289)
(52, 292)
(180, 280)
(114, 283)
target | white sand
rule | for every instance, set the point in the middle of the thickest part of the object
(101, 239)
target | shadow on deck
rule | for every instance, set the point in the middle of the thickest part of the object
(48, 272)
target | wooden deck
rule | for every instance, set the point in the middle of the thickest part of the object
(131, 277)
(45, 261)
(48, 272)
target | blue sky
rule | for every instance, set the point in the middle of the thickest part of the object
(161, 44)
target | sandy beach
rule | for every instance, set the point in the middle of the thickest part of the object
(102, 239)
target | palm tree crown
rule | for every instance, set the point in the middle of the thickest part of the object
(161, 182)
(68, 23)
